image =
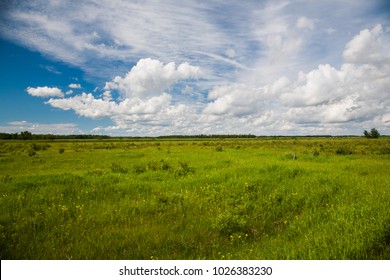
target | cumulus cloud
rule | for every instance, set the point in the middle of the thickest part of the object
(74, 86)
(88, 106)
(356, 92)
(366, 47)
(143, 100)
(236, 100)
(365, 75)
(45, 91)
(318, 86)
(84, 105)
(150, 77)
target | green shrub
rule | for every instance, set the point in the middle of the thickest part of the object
(164, 165)
(39, 147)
(230, 223)
(159, 165)
(184, 169)
(31, 152)
(384, 150)
(116, 168)
(139, 168)
(344, 150)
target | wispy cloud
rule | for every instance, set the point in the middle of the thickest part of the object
(51, 69)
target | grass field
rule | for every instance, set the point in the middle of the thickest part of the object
(196, 199)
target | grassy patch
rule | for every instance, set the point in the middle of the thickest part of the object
(212, 199)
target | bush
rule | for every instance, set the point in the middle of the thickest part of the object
(384, 150)
(159, 165)
(164, 165)
(139, 168)
(229, 223)
(344, 150)
(39, 147)
(116, 168)
(219, 149)
(31, 152)
(184, 169)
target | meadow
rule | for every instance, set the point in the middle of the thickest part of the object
(196, 199)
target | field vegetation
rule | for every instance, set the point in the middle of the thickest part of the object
(195, 198)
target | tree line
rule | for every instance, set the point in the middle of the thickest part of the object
(26, 135)
(210, 136)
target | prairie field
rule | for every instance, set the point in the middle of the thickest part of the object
(196, 199)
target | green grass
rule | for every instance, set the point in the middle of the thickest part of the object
(196, 199)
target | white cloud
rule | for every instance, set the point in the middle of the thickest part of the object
(354, 93)
(74, 86)
(366, 47)
(45, 91)
(305, 23)
(236, 100)
(143, 98)
(318, 86)
(151, 77)
(318, 101)
(107, 96)
(84, 105)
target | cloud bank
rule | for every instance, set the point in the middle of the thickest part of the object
(323, 100)
(262, 67)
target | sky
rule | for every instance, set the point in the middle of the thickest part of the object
(149, 68)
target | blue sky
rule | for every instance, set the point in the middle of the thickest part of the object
(293, 67)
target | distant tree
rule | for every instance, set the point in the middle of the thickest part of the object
(374, 133)
(25, 135)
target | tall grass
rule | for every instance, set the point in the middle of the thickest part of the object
(205, 199)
